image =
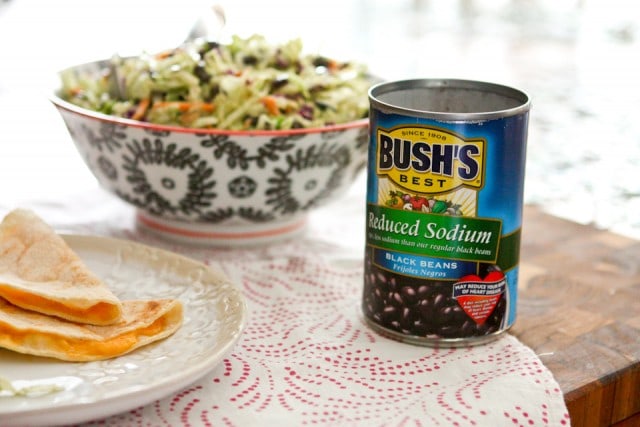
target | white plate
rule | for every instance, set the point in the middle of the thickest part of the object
(214, 316)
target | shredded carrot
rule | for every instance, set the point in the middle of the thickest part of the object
(333, 65)
(188, 117)
(184, 106)
(75, 91)
(141, 110)
(207, 107)
(164, 54)
(271, 105)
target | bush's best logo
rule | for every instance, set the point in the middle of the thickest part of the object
(429, 160)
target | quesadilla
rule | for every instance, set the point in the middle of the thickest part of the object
(142, 323)
(40, 272)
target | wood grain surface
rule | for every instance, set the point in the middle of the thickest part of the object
(579, 309)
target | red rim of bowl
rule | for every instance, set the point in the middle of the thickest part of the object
(65, 105)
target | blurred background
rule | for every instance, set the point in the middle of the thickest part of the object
(577, 59)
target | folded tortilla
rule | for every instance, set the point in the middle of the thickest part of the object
(40, 272)
(142, 323)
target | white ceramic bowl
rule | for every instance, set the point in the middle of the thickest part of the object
(215, 186)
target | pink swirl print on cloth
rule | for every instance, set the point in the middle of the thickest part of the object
(307, 358)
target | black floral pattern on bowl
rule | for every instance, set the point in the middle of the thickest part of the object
(325, 156)
(166, 179)
(238, 156)
(164, 174)
(108, 137)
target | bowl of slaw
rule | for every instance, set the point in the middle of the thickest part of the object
(220, 144)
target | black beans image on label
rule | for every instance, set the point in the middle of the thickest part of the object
(421, 307)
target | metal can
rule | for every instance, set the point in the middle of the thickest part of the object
(444, 209)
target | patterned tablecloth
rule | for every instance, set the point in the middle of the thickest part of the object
(307, 358)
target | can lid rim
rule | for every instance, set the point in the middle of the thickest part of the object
(385, 87)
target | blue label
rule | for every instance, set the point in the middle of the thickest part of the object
(423, 266)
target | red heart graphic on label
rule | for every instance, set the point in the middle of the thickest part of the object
(479, 297)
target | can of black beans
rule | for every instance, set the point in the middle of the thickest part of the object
(444, 210)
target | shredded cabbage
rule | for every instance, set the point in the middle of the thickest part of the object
(244, 85)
